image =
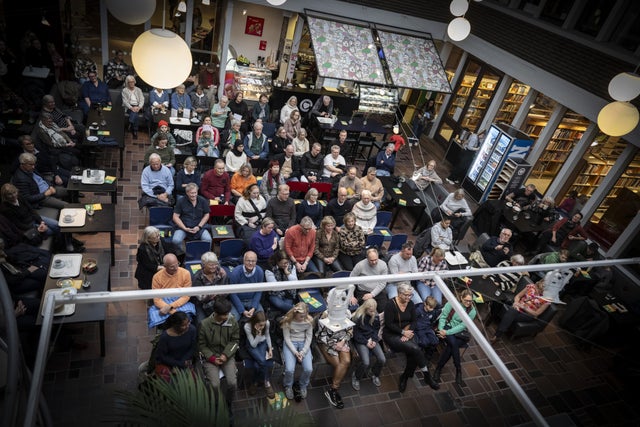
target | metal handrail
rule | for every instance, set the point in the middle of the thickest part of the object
(116, 296)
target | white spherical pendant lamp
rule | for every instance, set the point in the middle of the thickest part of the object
(276, 2)
(618, 118)
(459, 7)
(149, 55)
(624, 86)
(459, 29)
(132, 12)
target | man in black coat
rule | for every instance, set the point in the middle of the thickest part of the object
(33, 187)
(289, 164)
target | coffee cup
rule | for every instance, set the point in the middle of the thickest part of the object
(68, 218)
(58, 263)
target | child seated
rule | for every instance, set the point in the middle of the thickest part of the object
(427, 315)
(206, 146)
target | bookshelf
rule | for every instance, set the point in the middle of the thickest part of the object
(512, 102)
(479, 103)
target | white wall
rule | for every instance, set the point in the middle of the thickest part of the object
(249, 45)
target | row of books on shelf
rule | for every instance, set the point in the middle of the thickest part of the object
(511, 108)
(588, 180)
(596, 169)
(567, 134)
(560, 145)
(515, 98)
(631, 182)
(520, 89)
(557, 156)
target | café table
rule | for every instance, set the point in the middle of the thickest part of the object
(524, 221)
(85, 313)
(102, 221)
(109, 130)
(401, 195)
(77, 185)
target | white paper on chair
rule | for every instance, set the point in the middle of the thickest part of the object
(325, 120)
(238, 117)
(455, 258)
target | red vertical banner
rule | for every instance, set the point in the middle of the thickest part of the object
(263, 45)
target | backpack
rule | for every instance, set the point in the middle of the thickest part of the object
(423, 243)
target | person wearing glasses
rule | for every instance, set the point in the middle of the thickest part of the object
(300, 244)
(498, 248)
(400, 316)
(449, 328)
(246, 304)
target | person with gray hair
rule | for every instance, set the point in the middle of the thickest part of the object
(229, 137)
(156, 181)
(133, 103)
(151, 252)
(508, 282)
(386, 161)
(61, 147)
(117, 70)
(373, 184)
(191, 215)
(371, 266)
(220, 113)
(180, 101)
(35, 190)
(210, 274)
(64, 122)
(300, 244)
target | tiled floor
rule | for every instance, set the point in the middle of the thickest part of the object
(560, 379)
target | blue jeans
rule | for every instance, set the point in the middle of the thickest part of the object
(426, 290)
(365, 360)
(52, 225)
(380, 172)
(282, 304)
(392, 292)
(290, 365)
(133, 119)
(180, 235)
(262, 365)
(246, 304)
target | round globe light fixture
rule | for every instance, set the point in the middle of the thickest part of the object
(625, 86)
(276, 2)
(132, 12)
(459, 7)
(149, 56)
(459, 29)
(618, 118)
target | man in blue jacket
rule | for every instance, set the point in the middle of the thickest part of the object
(246, 304)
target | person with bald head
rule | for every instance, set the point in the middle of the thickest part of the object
(282, 209)
(168, 277)
(246, 304)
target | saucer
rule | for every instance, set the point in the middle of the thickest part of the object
(416, 200)
(92, 138)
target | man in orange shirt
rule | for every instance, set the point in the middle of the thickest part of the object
(171, 276)
(299, 243)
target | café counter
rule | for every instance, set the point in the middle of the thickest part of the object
(346, 104)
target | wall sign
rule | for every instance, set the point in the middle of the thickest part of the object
(254, 26)
(263, 45)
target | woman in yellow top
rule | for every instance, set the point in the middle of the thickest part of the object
(240, 181)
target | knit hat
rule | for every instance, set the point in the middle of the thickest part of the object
(163, 123)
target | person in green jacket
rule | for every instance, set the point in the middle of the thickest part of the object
(449, 326)
(218, 341)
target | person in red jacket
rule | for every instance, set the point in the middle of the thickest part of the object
(300, 243)
(216, 184)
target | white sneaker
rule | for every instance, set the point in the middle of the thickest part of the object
(376, 381)
(449, 181)
(303, 392)
(355, 383)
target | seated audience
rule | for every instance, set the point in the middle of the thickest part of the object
(250, 211)
(24, 267)
(60, 146)
(240, 181)
(352, 243)
(220, 113)
(256, 145)
(373, 184)
(64, 122)
(441, 234)
(240, 108)
(402, 263)
(171, 276)
(150, 255)
(522, 197)
(297, 330)
(367, 341)
(228, 137)
(264, 242)
(334, 346)
(162, 149)
(433, 261)
(176, 348)
(207, 124)
(455, 207)
(278, 143)
(199, 103)
(163, 129)
(95, 93)
(187, 175)
(180, 101)
(334, 164)
(507, 282)
(371, 266)
(287, 108)
(339, 206)
(352, 183)
(564, 234)
(293, 125)
(133, 103)
(311, 164)
(496, 249)
(299, 243)
(310, 207)
(210, 274)
(386, 161)
(246, 304)
(27, 220)
(289, 164)
(526, 307)
(327, 246)
(207, 144)
(300, 143)
(218, 341)
(261, 110)
(216, 184)
(282, 210)
(424, 176)
(566, 206)
(236, 157)
(191, 215)
(281, 270)
(261, 352)
(544, 211)
(427, 314)
(271, 181)
(157, 184)
(400, 318)
(47, 167)
(449, 327)
(159, 100)
(117, 71)
(365, 212)
(35, 190)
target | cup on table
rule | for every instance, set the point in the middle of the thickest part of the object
(90, 210)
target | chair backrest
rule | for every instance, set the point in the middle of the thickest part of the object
(462, 231)
(231, 248)
(479, 242)
(206, 163)
(323, 188)
(341, 273)
(423, 243)
(539, 258)
(298, 186)
(160, 215)
(269, 129)
(375, 240)
(383, 219)
(193, 267)
(180, 158)
(397, 240)
(195, 248)
(221, 210)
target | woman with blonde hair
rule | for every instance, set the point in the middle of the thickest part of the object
(327, 249)
(240, 181)
(297, 330)
(367, 342)
(250, 211)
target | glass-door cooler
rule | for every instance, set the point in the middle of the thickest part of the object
(501, 142)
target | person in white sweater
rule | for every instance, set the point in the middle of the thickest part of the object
(236, 157)
(401, 263)
(441, 235)
(365, 212)
(259, 347)
(297, 330)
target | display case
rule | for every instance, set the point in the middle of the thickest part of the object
(253, 81)
(378, 100)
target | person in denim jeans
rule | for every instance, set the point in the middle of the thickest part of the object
(297, 328)
(367, 341)
(433, 262)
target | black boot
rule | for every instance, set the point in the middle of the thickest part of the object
(436, 374)
(459, 377)
(402, 384)
(134, 132)
(430, 382)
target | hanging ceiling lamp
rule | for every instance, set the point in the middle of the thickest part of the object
(459, 29)
(459, 7)
(149, 56)
(625, 86)
(618, 118)
(132, 12)
(276, 2)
